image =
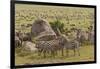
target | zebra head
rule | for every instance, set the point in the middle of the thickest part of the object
(63, 39)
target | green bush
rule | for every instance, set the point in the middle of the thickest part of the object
(57, 25)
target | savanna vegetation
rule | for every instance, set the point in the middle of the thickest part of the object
(68, 20)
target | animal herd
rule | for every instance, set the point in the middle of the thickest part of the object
(61, 44)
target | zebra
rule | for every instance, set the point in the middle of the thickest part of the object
(58, 44)
(43, 46)
(51, 46)
(82, 36)
(72, 44)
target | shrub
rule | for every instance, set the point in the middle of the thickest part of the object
(57, 25)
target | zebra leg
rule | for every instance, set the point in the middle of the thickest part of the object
(78, 52)
(67, 52)
(78, 48)
(39, 52)
(74, 51)
(51, 53)
(62, 52)
(54, 53)
(44, 53)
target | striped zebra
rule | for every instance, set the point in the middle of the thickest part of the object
(59, 44)
(72, 45)
(47, 47)
(69, 44)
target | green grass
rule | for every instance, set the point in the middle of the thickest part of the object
(86, 54)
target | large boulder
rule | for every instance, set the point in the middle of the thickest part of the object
(42, 30)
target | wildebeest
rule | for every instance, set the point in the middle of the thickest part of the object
(17, 41)
(23, 36)
(19, 35)
(91, 37)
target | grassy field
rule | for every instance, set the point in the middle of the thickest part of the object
(86, 54)
(82, 18)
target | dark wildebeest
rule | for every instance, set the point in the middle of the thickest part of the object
(23, 36)
(17, 41)
(91, 37)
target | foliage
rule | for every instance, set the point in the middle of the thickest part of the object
(57, 25)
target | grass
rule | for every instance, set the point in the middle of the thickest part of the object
(86, 54)
(26, 14)
(81, 17)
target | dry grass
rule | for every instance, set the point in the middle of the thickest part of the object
(86, 54)
(81, 17)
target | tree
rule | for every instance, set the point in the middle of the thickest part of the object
(57, 25)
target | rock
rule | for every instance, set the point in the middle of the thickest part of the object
(29, 46)
(42, 30)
